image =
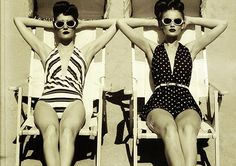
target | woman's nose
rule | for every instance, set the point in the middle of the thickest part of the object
(65, 26)
(172, 24)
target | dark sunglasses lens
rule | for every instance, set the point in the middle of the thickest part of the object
(71, 23)
(178, 21)
(167, 21)
(59, 24)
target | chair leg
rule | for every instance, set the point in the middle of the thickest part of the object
(19, 107)
(18, 150)
(131, 122)
(99, 134)
(99, 141)
(98, 154)
(217, 151)
(135, 152)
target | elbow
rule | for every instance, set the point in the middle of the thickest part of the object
(224, 24)
(16, 20)
(119, 23)
(113, 27)
(114, 23)
(109, 23)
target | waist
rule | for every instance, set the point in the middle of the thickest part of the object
(171, 84)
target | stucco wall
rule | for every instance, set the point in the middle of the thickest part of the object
(222, 72)
(15, 69)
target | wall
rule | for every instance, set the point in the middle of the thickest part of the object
(222, 73)
(15, 68)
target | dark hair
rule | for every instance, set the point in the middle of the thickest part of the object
(162, 6)
(64, 7)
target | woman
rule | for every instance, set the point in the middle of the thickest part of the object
(171, 110)
(65, 68)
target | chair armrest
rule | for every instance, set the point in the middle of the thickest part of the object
(21, 84)
(220, 92)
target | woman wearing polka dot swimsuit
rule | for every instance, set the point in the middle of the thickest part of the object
(171, 92)
(171, 110)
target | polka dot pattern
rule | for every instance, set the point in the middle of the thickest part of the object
(173, 99)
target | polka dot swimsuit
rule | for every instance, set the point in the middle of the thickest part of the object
(173, 99)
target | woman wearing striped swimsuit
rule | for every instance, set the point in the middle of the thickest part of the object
(65, 69)
(60, 90)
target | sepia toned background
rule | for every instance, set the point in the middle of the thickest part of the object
(115, 149)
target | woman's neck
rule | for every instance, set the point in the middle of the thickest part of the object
(171, 40)
(172, 44)
(66, 42)
(66, 46)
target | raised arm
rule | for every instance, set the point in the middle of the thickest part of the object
(146, 45)
(93, 47)
(22, 24)
(216, 28)
(103, 23)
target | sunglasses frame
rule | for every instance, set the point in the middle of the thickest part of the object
(64, 22)
(172, 21)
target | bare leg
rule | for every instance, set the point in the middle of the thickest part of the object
(162, 122)
(72, 121)
(47, 121)
(188, 123)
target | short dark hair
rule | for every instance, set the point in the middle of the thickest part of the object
(64, 7)
(162, 6)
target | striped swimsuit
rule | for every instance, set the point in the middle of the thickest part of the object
(60, 91)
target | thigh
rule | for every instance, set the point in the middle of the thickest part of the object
(44, 116)
(159, 119)
(73, 116)
(189, 118)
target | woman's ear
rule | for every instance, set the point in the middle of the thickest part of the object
(183, 26)
(160, 25)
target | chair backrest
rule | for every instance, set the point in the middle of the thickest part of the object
(88, 9)
(141, 8)
(141, 68)
(95, 72)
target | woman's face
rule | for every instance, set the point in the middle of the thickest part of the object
(172, 23)
(65, 27)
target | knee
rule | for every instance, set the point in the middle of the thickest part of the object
(170, 132)
(187, 130)
(50, 132)
(67, 134)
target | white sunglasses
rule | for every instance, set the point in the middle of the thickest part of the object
(176, 21)
(60, 24)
